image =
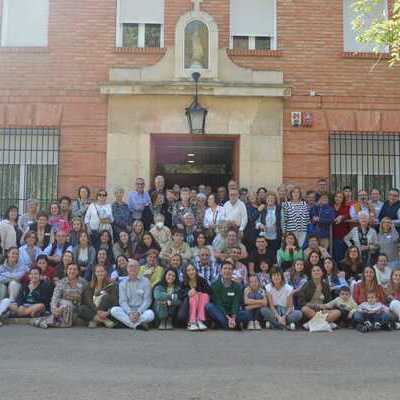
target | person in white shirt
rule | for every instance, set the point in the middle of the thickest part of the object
(235, 210)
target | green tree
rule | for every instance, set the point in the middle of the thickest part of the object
(375, 27)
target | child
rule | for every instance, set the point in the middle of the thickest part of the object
(382, 270)
(281, 313)
(371, 315)
(255, 301)
(344, 303)
(263, 276)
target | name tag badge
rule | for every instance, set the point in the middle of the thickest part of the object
(231, 294)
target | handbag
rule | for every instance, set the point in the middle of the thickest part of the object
(318, 323)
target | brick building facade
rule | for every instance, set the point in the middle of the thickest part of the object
(66, 85)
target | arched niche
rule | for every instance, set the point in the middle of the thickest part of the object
(196, 45)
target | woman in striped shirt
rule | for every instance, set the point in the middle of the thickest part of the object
(295, 215)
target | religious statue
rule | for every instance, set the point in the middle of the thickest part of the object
(196, 45)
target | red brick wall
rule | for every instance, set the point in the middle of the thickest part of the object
(59, 86)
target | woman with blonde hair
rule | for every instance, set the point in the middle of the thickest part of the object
(388, 238)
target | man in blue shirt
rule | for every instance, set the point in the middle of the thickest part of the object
(138, 199)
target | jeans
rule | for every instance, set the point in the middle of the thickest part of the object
(119, 314)
(256, 314)
(217, 314)
(12, 289)
(339, 249)
(294, 316)
(360, 318)
(4, 304)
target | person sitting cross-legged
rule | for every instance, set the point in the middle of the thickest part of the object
(225, 307)
(134, 299)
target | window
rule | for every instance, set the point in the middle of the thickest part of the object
(365, 161)
(350, 36)
(140, 24)
(28, 166)
(25, 23)
(253, 24)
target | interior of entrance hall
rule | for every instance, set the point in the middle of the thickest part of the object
(193, 160)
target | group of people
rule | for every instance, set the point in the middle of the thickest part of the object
(195, 258)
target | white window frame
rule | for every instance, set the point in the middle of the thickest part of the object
(141, 32)
(4, 25)
(252, 38)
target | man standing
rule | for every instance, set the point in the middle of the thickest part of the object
(391, 208)
(134, 299)
(138, 199)
(225, 306)
(235, 210)
(159, 186)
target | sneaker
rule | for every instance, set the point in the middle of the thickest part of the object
(397, 326)
(251, 326)
(192, 326)
(377, 326)
(108, 323)
(163, 325)
(92, 324)
(257, 325)
(306, 326)
(368, 325)
(43, 325)
(268, 325)
(35, 322)
(333, 325)
(292, 326)
(202, 326)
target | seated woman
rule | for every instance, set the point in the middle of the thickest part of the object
(289, 252)
(255, 303)
(335, 279)
(201, 243)
(66, 299)
(11, 274)
(61, 268)
(98, 299)
(176, 246)
(55, 250)
(147, 243)
(137, 233)
(296, 278)
(29, 251)
(151, 270)
(101, 259)
(195, 294)
(368, 282)
(388, 240)
(120, 271)
(392, 292)
(176, 263)
(32, 300)
(239, 269)
(123, 246)
(166, 300)
(42, 229)
(281, 313)
(314, 293)
(312, 260)
(77, 229)
(105, 243)
(84, 253)
(352, 264)
(47, 272)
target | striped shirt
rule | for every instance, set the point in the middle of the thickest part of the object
(295, 216)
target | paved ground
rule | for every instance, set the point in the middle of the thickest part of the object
(119, 364)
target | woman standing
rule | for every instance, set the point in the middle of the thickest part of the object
(11, 217)
(166, 300)
(98, 299)
(65, 302)
(253, 213)
(296, 216)
(99, 216)
(84, 254)
(340, 226)
(212, 217)
(388, 239)
(195, 294)
(82, 202)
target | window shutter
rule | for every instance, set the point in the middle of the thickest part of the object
(253, 17)
(25, 23)
(350, 42)
(141, 11)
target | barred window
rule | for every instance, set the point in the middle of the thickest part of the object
(29, 160)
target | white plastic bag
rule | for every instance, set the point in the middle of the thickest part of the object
(319, 323)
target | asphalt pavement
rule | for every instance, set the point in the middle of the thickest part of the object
(99, 364)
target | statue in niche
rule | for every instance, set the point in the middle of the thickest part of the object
(196, 45)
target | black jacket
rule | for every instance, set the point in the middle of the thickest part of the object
(42, 294)
(202, 287)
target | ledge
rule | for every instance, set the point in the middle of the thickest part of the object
(25, 50)
(254, 53)
(206, 88)
(366, 55)
(140, 50)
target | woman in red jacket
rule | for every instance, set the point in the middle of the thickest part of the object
(368, 282)
(340, 226)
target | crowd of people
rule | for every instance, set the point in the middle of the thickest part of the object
(198, 259)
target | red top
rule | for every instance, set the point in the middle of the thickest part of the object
(339, 231)
(360, 295)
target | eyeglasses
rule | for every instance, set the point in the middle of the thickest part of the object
(102, 195)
